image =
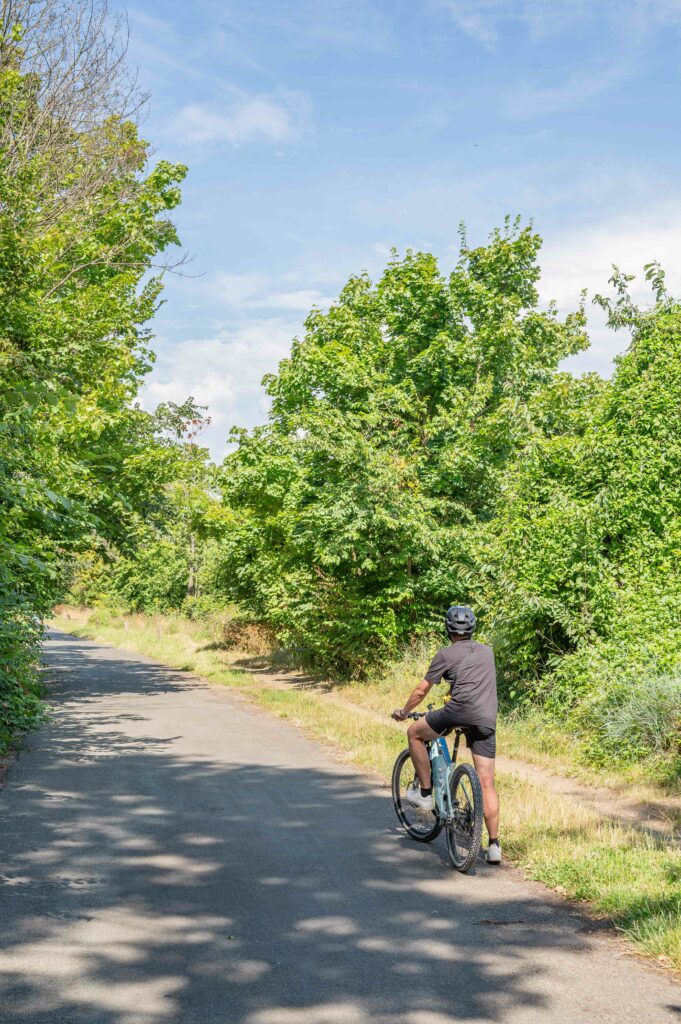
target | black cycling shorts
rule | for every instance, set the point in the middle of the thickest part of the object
(479, 738)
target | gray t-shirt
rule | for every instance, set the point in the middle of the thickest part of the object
(468, 668)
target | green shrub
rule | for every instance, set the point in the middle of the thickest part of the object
(645, 718)
(200, 607)
(354, 511)
(83, 219)
(20, 636)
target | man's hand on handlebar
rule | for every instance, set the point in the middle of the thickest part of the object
(413, 701)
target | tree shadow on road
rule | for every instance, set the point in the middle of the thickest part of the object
(140, 884)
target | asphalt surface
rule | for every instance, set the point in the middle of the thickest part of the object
(170, 855)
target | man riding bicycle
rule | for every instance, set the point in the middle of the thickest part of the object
(468, 668)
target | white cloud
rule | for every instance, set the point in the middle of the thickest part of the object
(353, 25)
(158, 28)
(480, 21)
(484, 20)
(657, 12)
(249, 119)
(234, 289)
(302, 300)
(622, 34)
(258, 291)
(531, 100)
(583, 258)
(223, 372)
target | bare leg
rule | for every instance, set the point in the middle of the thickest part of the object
(490, 801)
(417, 735)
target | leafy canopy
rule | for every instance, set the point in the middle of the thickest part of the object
(392, 424)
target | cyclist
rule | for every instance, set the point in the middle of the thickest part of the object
(468, 668)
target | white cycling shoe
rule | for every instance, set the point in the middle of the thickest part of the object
(413, 797)
(493, 854)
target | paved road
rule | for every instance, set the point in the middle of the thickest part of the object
(170, 856)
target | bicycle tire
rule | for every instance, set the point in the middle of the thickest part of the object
(414, 827)
(468, 818)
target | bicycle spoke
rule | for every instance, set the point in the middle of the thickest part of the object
(464, 788)
(464, 833)
(420, 824)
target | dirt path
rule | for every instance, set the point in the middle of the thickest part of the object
(660, 818)
(173, 856)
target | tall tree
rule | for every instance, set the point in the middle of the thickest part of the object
(82, 221)
(392, 423)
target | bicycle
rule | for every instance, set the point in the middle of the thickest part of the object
(457, 795)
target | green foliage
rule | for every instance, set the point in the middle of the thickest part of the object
(423, 448)
(583, 581)
(82, 220)
(393, 423)
(646, 718)
(161, 559)
(20, 636)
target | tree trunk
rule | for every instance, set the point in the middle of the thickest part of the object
(191, 579)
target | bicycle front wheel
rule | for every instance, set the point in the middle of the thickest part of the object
(464, 833)
(423, 826)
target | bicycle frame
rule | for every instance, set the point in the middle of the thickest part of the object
(460, 813)
(442, 765)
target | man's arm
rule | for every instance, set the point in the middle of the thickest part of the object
(413, 701)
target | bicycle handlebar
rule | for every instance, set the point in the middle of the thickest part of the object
(418, 714)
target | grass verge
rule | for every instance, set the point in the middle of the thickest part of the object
(528, 735)
(620, 873)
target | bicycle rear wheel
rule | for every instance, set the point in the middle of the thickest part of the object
(464, 834)
(423, 826)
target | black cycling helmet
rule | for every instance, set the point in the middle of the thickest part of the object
(460, 620)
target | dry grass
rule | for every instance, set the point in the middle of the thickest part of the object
(246, 637)
(528, 737)
(620, 873)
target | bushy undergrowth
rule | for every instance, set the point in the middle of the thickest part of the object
(649, 713)
(615, 740)
(643, 722)
(20, 636)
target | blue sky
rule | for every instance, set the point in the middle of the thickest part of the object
(320, 134)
